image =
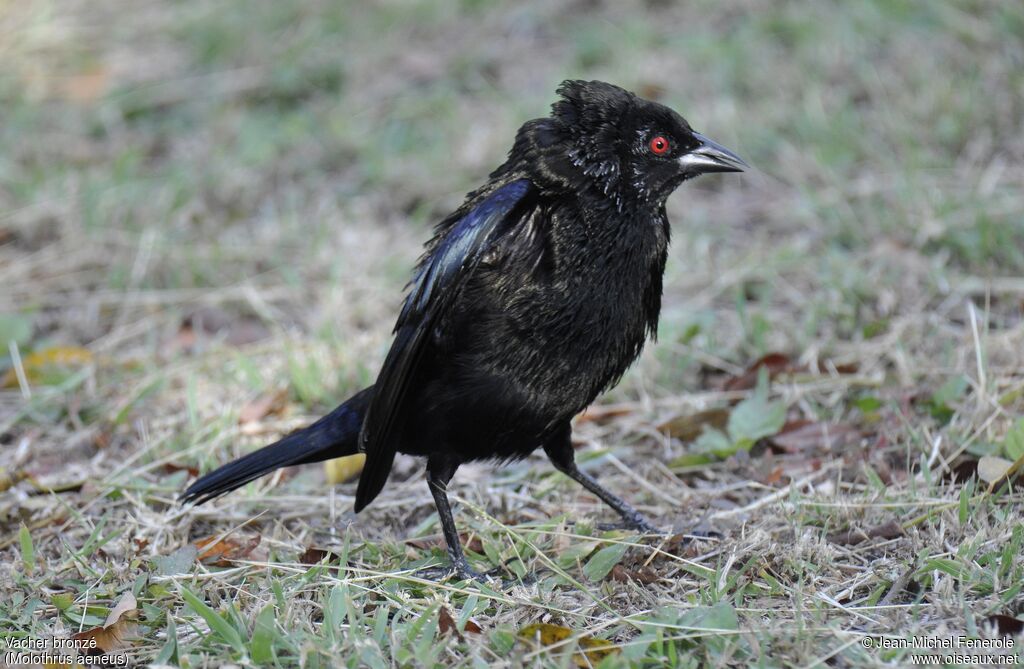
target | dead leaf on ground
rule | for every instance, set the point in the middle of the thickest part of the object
(116, 631)
(222, 551)
(49, 366)
(688, 545)
(689, 427)
(1006, 625)
(172, 468)
(343, 470)
(263, 406)
(774, 476)
(592, 650)
(992, 468)
(830, 366)
(643, 575)
(447, 624)
(889, 530)
(997, 471)
(313, 555)
(776, 363)
(805, 435)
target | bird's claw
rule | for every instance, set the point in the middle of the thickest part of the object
(645, 527)
(638, 523)
(698, 533)
(461, 572)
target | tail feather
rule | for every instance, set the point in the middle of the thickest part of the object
(333, 436)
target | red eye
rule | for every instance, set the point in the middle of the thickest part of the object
(659, 145)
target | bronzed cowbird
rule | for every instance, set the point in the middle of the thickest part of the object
(532, 298)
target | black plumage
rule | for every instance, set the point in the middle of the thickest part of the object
(531, 299)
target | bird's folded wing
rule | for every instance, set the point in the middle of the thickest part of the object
(434, 286)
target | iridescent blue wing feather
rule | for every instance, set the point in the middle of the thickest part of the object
(435, 284)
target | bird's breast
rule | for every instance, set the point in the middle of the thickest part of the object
(565, 334)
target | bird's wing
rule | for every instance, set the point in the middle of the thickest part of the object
(437, 281)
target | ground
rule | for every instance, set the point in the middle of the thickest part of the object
(208, 211)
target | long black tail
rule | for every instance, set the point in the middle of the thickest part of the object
(333, 436)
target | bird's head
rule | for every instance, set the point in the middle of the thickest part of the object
(623, 144)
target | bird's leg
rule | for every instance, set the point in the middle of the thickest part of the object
(559, 449)
(440, 471)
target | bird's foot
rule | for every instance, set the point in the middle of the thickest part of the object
(508, 576)
(460, 571)
(441, 574)
(701, 531)
(633, 522)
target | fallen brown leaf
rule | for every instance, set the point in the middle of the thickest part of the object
(317, 555)
(222, 551)
(116, 631)
(689, 427)
(592, 650)
(644, 575)
(171, 468)
(889, 530)
(263, 406)
(1006, 625)
(774, 476)
(840, 368)
(804, 435)
(446, 624)
(682, 545)
(776, 363)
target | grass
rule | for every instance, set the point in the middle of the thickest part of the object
(206, 204)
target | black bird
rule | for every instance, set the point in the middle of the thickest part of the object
(531, 299)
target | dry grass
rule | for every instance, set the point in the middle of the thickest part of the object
(221, 201)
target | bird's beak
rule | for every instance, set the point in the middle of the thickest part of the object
(710, 157)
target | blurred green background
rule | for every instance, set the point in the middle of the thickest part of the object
(280, 163)
(208, 123)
